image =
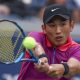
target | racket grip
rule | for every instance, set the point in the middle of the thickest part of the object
(31, 60)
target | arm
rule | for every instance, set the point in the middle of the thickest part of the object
(57, 70)
(39, 52)
(74, 66)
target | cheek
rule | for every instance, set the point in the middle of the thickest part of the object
(49, 31)
(67, 31)
(50, 34)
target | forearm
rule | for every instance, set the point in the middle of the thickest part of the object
(58, 70)
(74, 67)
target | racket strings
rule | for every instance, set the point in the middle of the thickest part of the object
(7, 48)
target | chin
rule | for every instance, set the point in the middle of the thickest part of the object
(60, 43)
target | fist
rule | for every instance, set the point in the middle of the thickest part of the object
(43, 65)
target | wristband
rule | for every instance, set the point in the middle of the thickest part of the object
(66, 67)
(42, 55)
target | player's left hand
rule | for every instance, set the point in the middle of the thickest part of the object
(56, 70)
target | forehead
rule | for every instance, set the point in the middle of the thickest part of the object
(57, 18)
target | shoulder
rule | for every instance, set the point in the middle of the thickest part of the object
(74, 51)
(74, 48)
(75, 45)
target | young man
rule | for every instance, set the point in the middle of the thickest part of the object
(62, 52)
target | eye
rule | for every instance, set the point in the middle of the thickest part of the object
(51, 25)
(63, 23)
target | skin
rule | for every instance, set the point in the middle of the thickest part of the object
(4, 10)
(57, 31)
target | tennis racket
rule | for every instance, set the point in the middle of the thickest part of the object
(11, 49)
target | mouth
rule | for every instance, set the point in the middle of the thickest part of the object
(59, 38)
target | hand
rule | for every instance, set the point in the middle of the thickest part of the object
(56, 70)
(43, 65)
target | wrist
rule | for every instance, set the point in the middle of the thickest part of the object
(66, 68)
(43, 59)
(42, 55)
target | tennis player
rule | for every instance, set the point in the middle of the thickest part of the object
(60, 55)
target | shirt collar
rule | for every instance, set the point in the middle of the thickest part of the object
(64, 47)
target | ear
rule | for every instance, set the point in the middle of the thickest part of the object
(72, 25)
(43, 28)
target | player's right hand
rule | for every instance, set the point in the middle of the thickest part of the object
(43, 65)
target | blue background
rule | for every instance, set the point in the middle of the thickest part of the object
(10, 71)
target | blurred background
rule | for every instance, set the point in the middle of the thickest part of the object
(28, 14)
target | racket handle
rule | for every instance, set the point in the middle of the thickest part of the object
(19, 58)
(29, 60)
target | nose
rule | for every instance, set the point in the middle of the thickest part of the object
(58, 29)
